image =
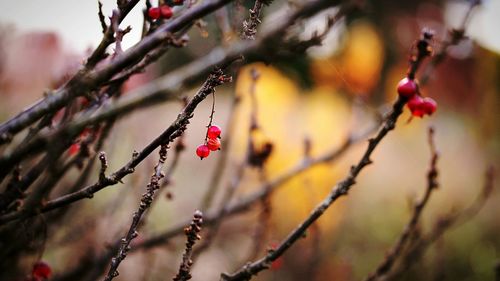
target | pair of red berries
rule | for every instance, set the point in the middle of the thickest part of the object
(418, 105)
(164, 12)
(211, 144)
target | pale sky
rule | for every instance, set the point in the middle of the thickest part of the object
(77, 23)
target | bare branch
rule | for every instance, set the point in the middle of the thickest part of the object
(164, 88)
(192, 235)
(455, 35)
(341, 189)
(263, 191)
(146, 200)
(421, 243)
(102, 18)
(86, 80)
(250, 25)
(395, 252)
(172, 132)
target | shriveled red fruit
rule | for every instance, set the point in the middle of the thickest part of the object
(202, 151)
(407, 88)
(214, 132)
(415, 106)
(213, 144)
(429, 106)
(166, 11)
(154, 13)
(41, 270)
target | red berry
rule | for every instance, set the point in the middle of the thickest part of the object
(166, 12)
(154, 13)
(213, 144)
(202, 151)
(407, 88)
(429, 106)
(214, 132)
(41, 270)
(415, 106)
(73, 149)
(277, 263)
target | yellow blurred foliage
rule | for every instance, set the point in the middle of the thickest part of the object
(358, 66)
(287, 118)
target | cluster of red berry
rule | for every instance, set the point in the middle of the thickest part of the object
(164, 11)
(418, 105)
(212, 142)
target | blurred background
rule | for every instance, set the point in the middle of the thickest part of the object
(322, 96)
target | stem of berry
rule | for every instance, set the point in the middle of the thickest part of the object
(211, 116)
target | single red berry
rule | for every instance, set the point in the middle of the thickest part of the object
(213, 144)
(73, 149)
(154, 13)
(429, 106)
(166, 11)
(415, 106)
(277, 264)
(41, 270)
(214, 132)
(407, 88)
(202, 151)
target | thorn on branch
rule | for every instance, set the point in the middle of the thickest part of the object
(104, 166)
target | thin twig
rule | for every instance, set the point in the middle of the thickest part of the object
(263, 191)
(241, 206)
(250, 25)
(339, 190)
(239, 173)
(192, 235)
(146, 200)
(220, 166)
(85, 80)
(394, 253)
(165, 88)
(172, 132)
(444, 223)
(102, 20)
(455, 35)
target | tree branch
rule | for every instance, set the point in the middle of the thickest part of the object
(192, 235)
(342, 188)
(85, 80)
(394, 253)
(172, 132)
(146, 200)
